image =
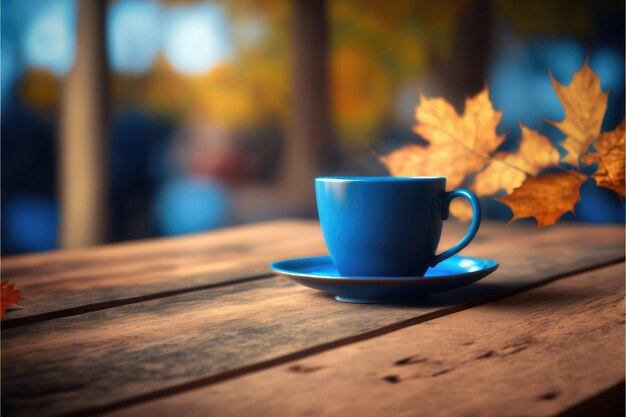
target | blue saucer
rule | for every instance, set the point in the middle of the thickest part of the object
(320, 273)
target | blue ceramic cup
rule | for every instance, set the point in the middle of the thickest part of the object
(387, 226)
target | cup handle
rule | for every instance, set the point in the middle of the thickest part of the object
(445, 210)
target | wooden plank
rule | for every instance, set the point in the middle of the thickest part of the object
(73, 260)
(71, 282)
(539, 353)
(68, 281)
(75, 281)
(119, 355)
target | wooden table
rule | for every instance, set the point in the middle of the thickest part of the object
(198, 326)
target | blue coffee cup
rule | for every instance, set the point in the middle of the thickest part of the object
(387, 226)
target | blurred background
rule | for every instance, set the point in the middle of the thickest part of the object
(131, 119)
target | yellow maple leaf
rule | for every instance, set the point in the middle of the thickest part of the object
(585, 104)
(417, 160)
(461, 145)
(546, 197)
(609, 155)
(458, 144)
(507, 171)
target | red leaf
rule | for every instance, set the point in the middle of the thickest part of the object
(9, 297)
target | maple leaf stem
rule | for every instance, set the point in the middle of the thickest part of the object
(565, 170)
(488, 158)
(516, 167)
(575, 173)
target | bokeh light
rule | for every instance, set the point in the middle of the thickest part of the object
(49, 41)
(196, 38)
(30, 223)
(133, 35)
(188, 205)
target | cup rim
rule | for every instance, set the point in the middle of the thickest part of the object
(332, 178)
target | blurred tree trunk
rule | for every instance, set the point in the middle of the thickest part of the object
(84, 134)
(464, 72)
(309, 146)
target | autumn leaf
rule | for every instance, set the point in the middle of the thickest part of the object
(507, 171)
(438, 123)
(546, 197)
(462, 148)
(609, 155)
(585, 104)
(458, 144)
(416, 160)
(9, 296)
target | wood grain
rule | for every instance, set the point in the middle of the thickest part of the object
(119, 355)
(71, 282)
(73, 279)
(539, 353)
